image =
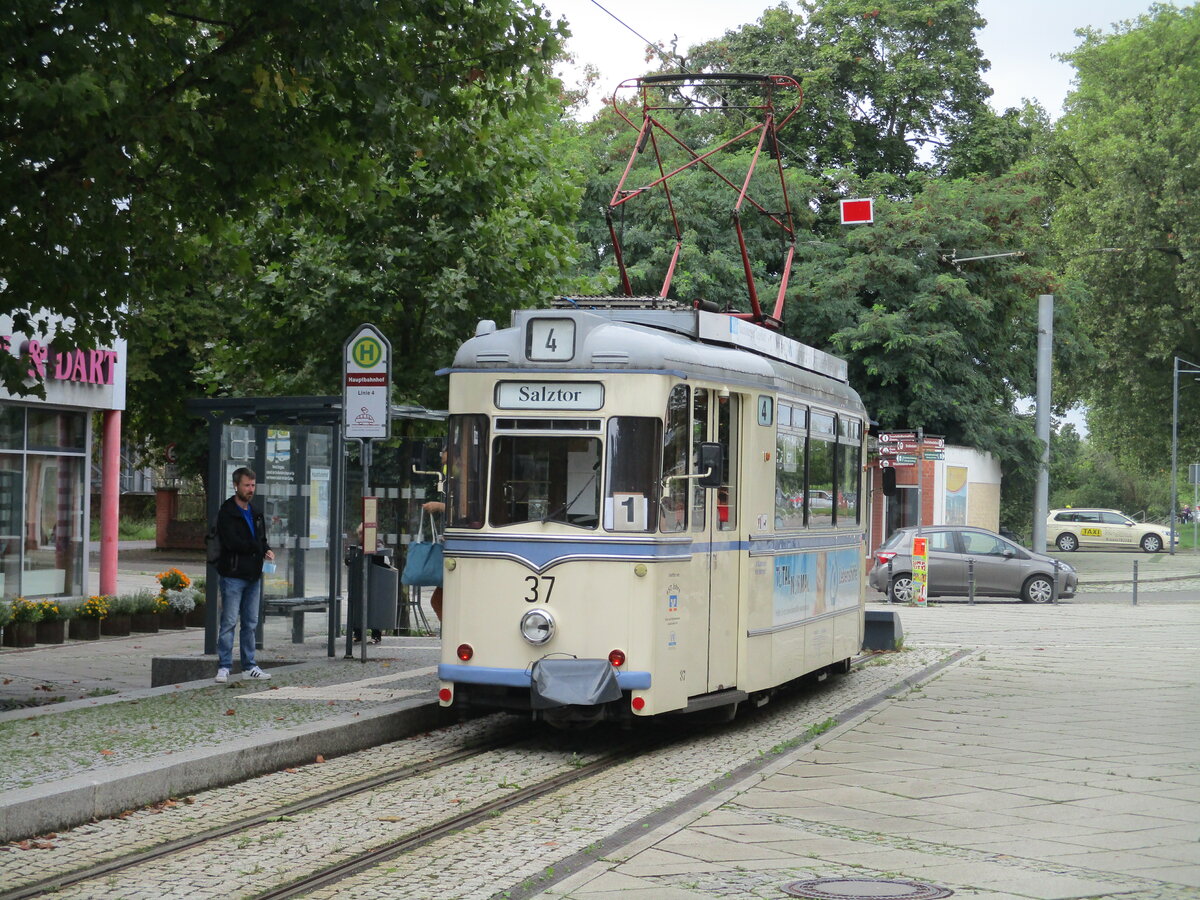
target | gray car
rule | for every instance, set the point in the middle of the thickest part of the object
(1001, 567)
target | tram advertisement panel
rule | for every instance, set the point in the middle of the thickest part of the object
(843, 574)
(796, 588)
(810, 584)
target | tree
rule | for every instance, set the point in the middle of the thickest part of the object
(881, 79)
(140, 144)
(1127, 220)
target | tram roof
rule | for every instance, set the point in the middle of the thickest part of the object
(657, 337)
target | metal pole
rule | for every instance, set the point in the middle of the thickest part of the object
(1174, 449)
(1195, 502)
(920, 478)
(1135, 567)
(970, 580)
(1054, 584)
(889, 591)
(1045, 352)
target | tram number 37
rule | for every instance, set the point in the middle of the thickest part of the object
(535, 588)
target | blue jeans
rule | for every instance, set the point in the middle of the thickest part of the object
(239, 598)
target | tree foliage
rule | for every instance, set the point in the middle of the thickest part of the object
(135, 137)
(1127, 220)
(932, 341)
(881, 79)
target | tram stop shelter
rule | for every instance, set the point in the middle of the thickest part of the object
(310, 486)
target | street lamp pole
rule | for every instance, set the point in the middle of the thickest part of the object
(1195, 370)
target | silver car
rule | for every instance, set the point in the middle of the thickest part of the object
(1001, 568)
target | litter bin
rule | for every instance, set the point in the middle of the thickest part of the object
(383, 590)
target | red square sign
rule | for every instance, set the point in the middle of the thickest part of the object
(858, 212)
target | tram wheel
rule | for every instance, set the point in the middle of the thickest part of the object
(901, 589)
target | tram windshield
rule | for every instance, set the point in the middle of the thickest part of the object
(545, 478)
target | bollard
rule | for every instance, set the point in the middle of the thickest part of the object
(970, 580)
(1135, 565)
(1054, 584)
(889, 591)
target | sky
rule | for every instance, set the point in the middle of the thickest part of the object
(1020, 39)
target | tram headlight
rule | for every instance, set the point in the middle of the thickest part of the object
(537, 626)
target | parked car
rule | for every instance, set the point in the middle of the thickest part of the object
(1070, 529)
(1002, 568)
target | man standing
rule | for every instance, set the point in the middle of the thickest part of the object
(243, 533)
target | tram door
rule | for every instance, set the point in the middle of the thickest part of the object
(715, 523)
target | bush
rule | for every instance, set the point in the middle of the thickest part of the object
(95, 607)
(53, 610)
(143, 602)
(26, 610)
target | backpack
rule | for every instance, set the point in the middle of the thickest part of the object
(212, 546)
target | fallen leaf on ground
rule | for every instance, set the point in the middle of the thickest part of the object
(106, 753)
(231, 712)
(320, 758)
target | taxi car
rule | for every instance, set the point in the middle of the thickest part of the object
(1000, 567)
(1071, 529)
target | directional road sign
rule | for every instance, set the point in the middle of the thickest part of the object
(934, 454)
(895, 463)
(888, 437)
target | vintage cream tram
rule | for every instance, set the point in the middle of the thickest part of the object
(650, 509)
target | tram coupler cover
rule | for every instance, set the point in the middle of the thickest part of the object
(572, 682)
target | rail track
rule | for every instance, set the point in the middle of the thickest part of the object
(300, 838)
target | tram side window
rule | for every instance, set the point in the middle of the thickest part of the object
(539, 478)
(728, 437)
(699, 435)
(849, 471)
(466, 470)
(631, 501)
(789, 471)
(675, 447)
(821, 469)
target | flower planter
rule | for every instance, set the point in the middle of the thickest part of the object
(115, 626)
(145, 623)
(20, 634)
(195, 619)
(85, 629)
(52, 632)
(172, 619)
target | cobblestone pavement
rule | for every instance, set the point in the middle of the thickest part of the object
(1059, 760)
(566, 822)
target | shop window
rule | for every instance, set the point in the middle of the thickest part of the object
(12, 428)
(52, 430)
(11, 493)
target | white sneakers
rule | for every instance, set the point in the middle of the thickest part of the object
(252, 672)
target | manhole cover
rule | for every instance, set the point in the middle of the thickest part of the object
(864, 889)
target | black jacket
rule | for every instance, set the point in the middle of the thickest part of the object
(241, 553)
